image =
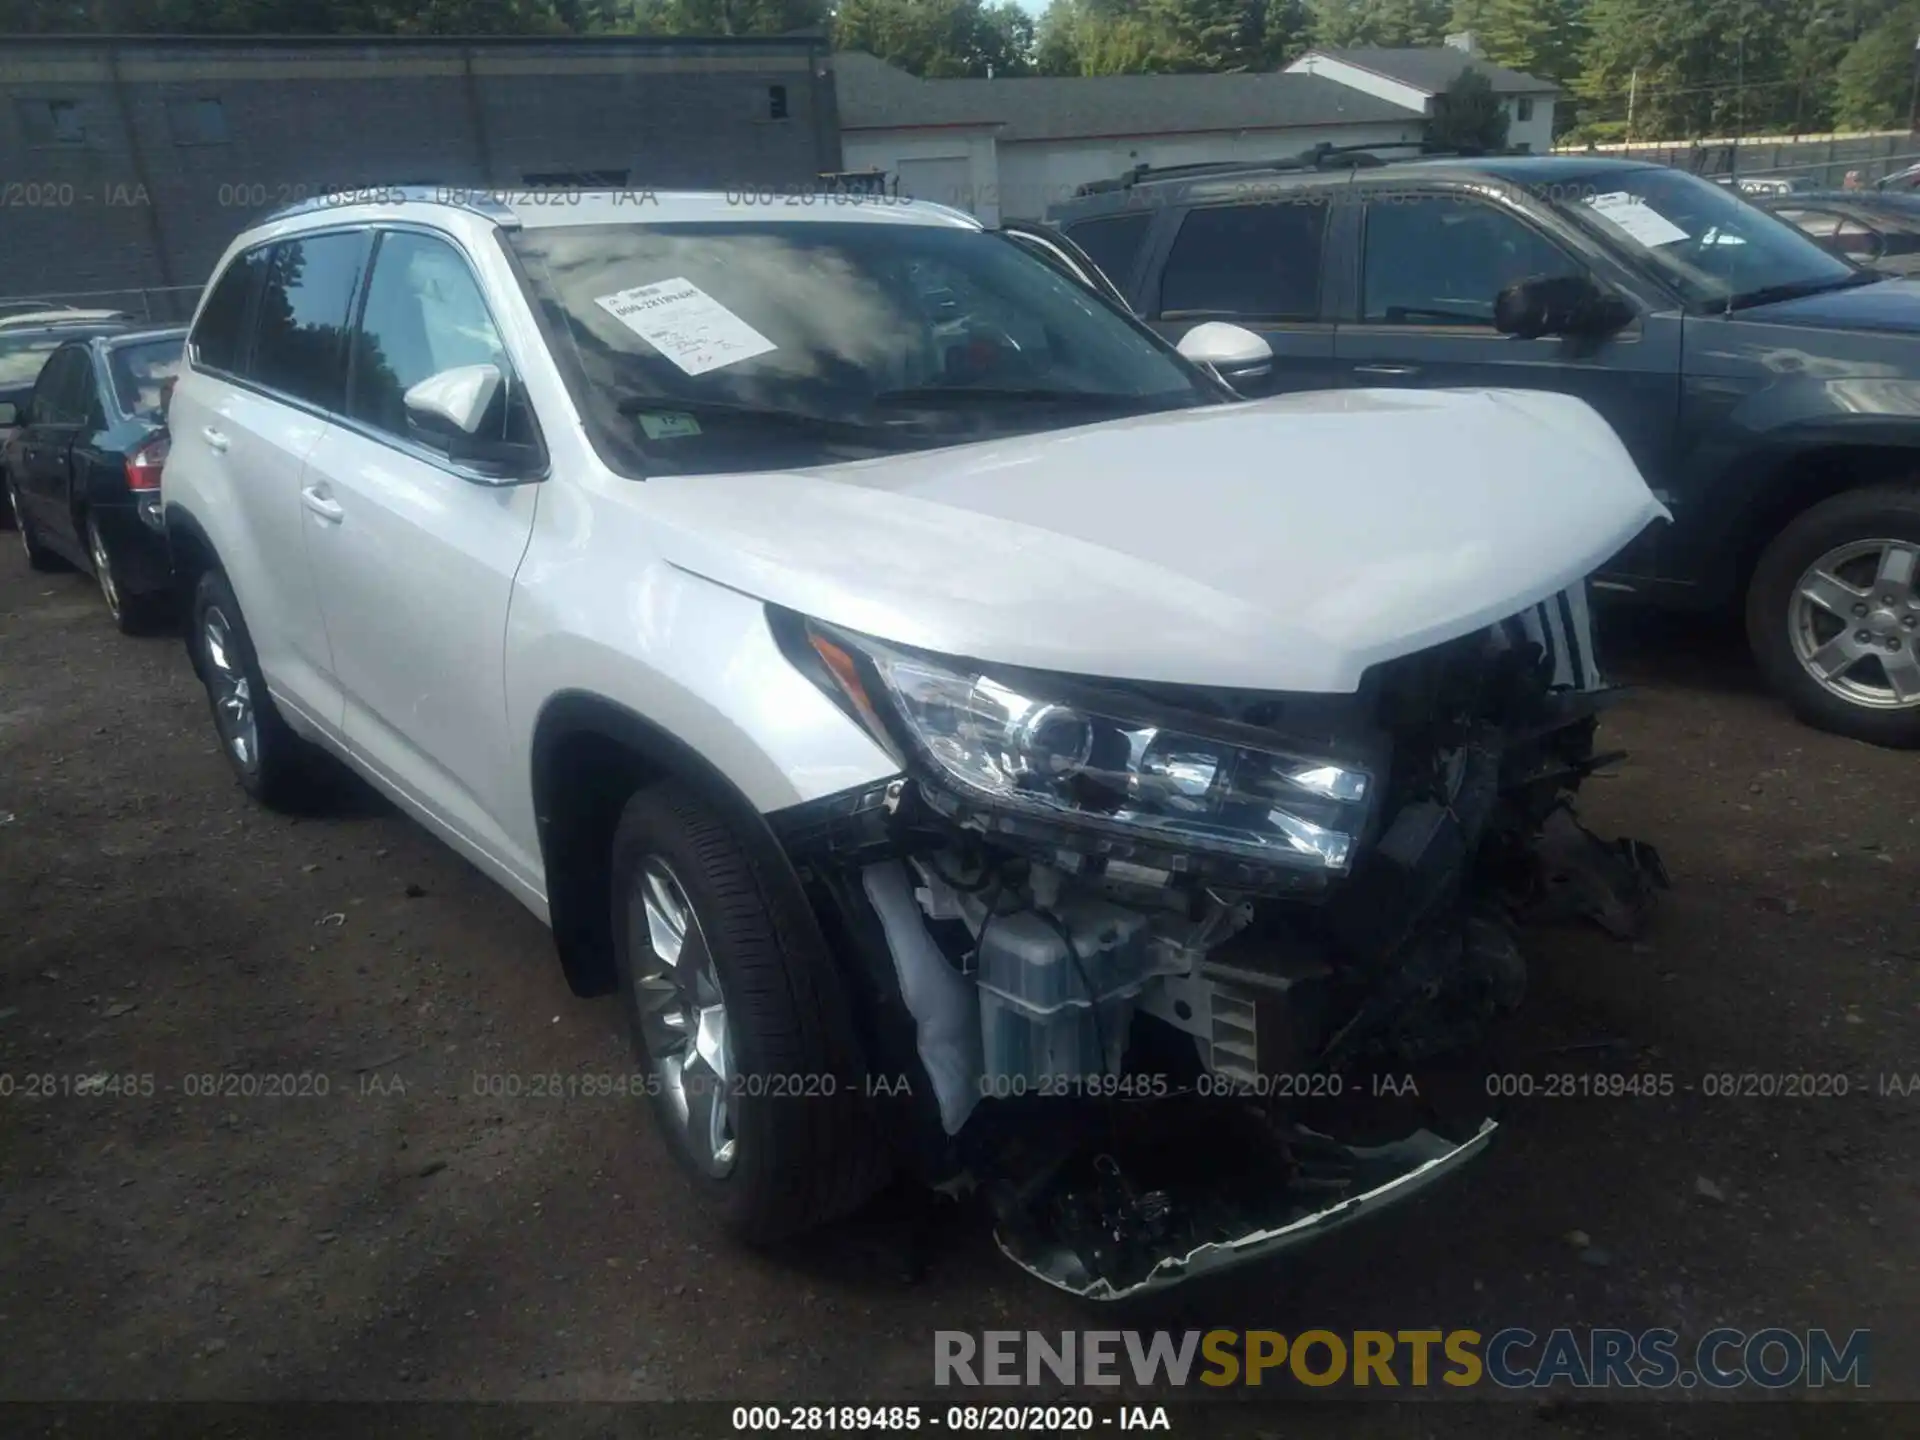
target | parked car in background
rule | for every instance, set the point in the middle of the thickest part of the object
(1757, 185)
(83, 467)
(27, 338)
(1900, 180)
(1877, 229)
(884, 661)
(1769, 390)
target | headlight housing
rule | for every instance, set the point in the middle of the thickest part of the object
(1013, 747)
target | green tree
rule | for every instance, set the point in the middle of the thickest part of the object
(1540, 37)
(1340, 23)
(1468, 115)
(1873, 80)
(939, 38)
(1690, 67)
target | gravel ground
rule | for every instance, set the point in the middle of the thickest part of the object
(387, 1233)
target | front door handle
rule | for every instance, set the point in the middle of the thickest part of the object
(1390, 372)
(327, 509)
(216, 442)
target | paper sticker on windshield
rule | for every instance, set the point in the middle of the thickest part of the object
(685, 324)
(1639, 219)
(668, 424)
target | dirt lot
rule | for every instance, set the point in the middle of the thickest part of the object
(402, 1237)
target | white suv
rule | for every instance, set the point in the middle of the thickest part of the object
(944, 712)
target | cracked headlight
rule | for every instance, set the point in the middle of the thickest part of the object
(997, 745)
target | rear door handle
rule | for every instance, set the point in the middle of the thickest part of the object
(216, 442)
(327, 509)
(1391, 372)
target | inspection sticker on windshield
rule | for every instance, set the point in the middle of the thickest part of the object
(667, 424)
(685, 324)
(1639, 219)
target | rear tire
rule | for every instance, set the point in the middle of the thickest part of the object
(38, 556)
(272, 764)
(133, 614)
(1859, 554)
(796, 1145)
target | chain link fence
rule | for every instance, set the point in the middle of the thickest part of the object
(157, 304)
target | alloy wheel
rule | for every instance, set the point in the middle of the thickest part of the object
(683, 1015)
(1855, 620)
(233, 712)
(103, 566)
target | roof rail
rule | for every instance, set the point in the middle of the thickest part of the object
(1323, 156)
(474, 199)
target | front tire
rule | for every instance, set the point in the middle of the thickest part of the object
(38, 556)
(271, 763)
(738, 1016)
(1833, 615)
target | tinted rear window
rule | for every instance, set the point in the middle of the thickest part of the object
(140, 371)
(1255, 262)
(300, 334)
(1113, 243)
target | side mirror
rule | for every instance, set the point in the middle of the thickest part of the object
(453, 402)
(1571, 305)
(1237, 355)
(9, 414)
(463, 412)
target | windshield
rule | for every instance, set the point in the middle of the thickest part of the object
(1719, 251)
(140, 372)
(705, 347)
(22, 357)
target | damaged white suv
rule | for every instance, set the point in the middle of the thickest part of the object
(967, 736)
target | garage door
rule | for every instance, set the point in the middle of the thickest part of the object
(945, 182)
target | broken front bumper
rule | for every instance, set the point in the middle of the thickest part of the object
(1092, 1256)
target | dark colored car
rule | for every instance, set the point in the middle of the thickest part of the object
(83, 468)
(1879, 229)
(26, 340)
(1769, 390)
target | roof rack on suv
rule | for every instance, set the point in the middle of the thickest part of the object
(475, 199)
(1323, 156)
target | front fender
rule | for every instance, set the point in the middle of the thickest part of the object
(1768, 443)
(697, 662)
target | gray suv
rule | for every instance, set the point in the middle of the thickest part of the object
(1768, 389)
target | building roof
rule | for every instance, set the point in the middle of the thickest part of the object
(874, 95)
(1434, 67)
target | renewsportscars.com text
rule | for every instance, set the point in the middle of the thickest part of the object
(1510, 1359)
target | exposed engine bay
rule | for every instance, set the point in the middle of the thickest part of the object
(1137, 1047)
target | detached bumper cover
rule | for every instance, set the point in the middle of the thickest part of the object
(1391, 1173)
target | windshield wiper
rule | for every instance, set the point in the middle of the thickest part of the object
(803, 420)
(943, 396)
(1798, 290)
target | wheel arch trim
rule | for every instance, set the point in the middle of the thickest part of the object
(577, 879)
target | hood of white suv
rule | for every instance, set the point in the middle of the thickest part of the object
(1285, 544)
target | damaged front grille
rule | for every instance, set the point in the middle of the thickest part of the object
(1040, 964)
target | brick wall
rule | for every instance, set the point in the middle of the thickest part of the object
(127, 167)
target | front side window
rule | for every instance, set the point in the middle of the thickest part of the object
(1247, 262)
(219, 339)
(1443, 260)
(711, 346)
(424, 314)
(140, 370)
(299, 344)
